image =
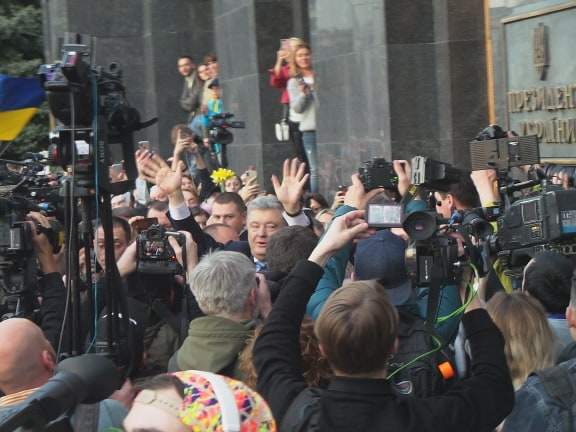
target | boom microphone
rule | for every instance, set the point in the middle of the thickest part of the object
(88, 378)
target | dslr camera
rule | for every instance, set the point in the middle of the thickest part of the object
(378, 173)
(154, 253)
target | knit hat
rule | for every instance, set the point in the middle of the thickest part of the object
(381, 257)
(220, 404)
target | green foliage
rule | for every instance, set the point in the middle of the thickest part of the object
(21, 52)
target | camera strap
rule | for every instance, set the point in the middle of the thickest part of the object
(433, 296)
(413, 190)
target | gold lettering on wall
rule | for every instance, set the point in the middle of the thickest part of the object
(542, 99)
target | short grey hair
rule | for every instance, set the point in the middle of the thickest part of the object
(222, 282)
(265, 203)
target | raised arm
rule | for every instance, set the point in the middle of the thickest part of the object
(277, 356)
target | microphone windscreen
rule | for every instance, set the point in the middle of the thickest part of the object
(98, 374)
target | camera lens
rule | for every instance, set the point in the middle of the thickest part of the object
(420, 225)
(154, 234)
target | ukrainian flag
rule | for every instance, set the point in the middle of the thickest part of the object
(19, 101)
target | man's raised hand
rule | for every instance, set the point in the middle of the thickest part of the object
(291, 190)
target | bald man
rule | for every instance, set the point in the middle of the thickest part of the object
(28, 362)
(28, 359)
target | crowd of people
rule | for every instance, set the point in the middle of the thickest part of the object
(288, 312)
(292, 74)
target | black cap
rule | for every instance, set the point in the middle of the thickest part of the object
(214, 83)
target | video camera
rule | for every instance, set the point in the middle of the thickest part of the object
(94, 118)
(18, 269)
(219, 128)
(155, 255)
(543, 219)
(436, 245)
(430, 248)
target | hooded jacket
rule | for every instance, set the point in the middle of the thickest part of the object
(212, 345)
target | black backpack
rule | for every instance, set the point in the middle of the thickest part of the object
(411, 372)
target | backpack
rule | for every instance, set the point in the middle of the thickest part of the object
(412, 374)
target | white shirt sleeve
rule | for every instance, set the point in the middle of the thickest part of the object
(301, 219)
(179, 213)
(141, 193)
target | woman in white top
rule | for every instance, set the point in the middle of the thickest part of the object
(303, 103)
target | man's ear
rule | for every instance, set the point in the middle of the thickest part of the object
(571, 316)
(395, 346)
(48, 360)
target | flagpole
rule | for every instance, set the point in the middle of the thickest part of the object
(5, 147)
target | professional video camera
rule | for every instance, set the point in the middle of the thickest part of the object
(219, 128)
(436, 244)
(18, 269)
(430, 248)
(94, 118)
(543, 219)
(378, 173)
(154, 253)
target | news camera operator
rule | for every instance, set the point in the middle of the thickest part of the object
(47, 304)
(164, 298)
(370, 265)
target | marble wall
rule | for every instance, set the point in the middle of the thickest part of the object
(396, 79)
(247, 35)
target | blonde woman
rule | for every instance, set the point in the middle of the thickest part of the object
(530, 342)
(303, 102)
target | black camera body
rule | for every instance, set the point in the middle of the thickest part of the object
(219, 125)
(439, 250)
(545, 221)
(154, 253)
(431, 250)
(95, 120)
(378, 173)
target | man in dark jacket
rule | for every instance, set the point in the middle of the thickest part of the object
(357, 331)
(191, 97)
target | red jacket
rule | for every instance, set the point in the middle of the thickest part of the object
(280, 81)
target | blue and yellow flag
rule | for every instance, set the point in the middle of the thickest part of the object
(19, 101)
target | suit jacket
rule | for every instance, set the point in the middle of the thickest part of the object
(205, 242)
